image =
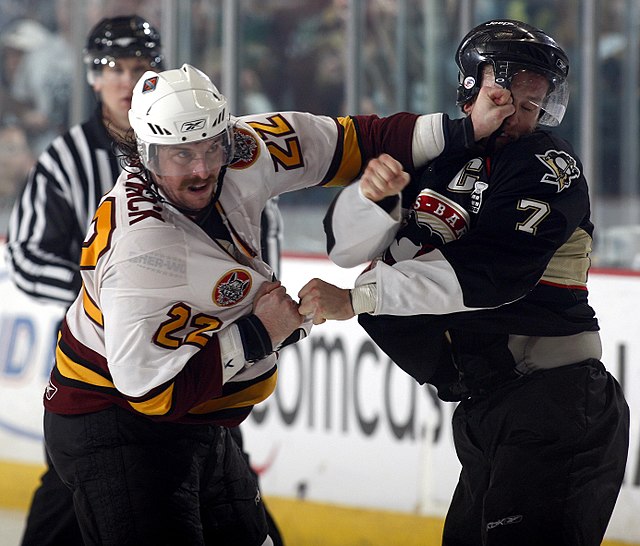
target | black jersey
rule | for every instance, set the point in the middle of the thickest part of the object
(515, 227)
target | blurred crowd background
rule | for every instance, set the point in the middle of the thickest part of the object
(337, 57)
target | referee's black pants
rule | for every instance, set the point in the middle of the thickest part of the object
(51, 520)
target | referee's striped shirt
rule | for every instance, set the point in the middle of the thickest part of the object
(50, 218)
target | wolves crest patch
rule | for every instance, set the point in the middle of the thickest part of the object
(246, 149)
(231, 288)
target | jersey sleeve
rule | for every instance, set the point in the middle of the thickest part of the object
(153, 340)
(51, 215)
(308, 150)
(357, 229)
(168, 347)
(42, 256)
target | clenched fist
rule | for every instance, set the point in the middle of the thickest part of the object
(490, 108)
(321, 301)
(277, 311)
(383, 177)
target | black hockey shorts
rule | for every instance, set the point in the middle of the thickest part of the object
(139, 482)
(543, 459)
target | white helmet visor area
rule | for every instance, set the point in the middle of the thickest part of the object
(189, 158)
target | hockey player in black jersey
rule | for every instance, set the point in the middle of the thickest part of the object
(478, 283)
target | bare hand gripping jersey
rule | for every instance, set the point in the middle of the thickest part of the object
(150, 330)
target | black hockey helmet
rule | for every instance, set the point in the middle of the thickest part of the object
(511, 46)
(124, 36)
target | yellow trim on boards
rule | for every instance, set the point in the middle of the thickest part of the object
(17, 483)
(301, 522)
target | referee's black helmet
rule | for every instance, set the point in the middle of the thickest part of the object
(124, 36)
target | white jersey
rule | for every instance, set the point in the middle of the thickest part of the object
(152, 329)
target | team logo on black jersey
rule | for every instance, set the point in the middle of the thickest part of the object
(231, 288)
(245, 150)
(563, 169)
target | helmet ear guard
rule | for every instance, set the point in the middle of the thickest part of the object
(510, 47)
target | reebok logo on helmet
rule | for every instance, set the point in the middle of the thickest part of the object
(193, 125)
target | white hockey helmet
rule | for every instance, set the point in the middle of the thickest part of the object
(178, 107)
